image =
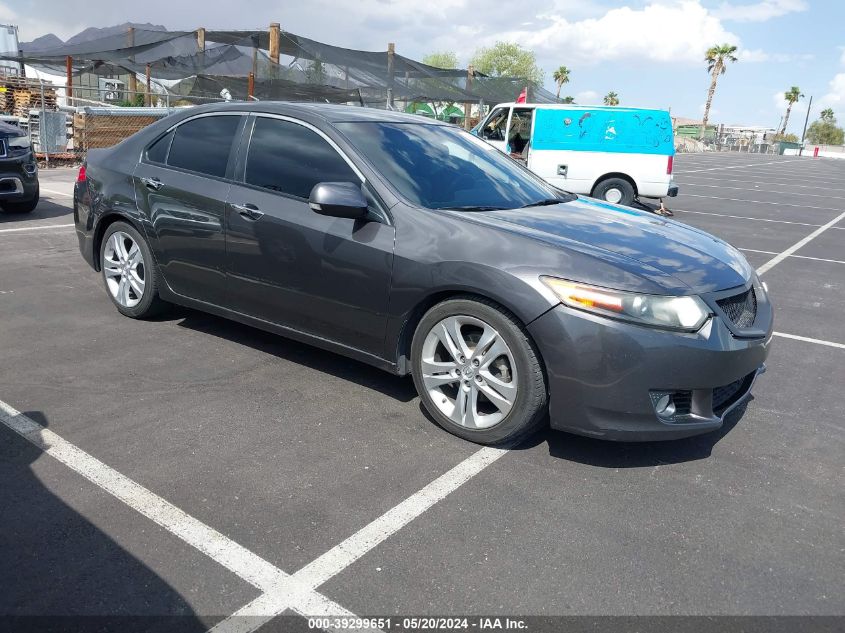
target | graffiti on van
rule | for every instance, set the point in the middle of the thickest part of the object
(604, 130)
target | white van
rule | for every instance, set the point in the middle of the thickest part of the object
(608, 152)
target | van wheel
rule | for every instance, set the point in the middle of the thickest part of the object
(615, 190)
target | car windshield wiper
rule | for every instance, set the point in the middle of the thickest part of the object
(473, 208)
(543, 203)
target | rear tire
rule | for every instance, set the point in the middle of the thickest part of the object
(130, 274)
(614, 190)
(25, 206)
(486, 352)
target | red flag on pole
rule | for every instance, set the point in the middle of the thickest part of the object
(523, 96)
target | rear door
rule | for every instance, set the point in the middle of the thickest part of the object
(326, 276)
(181, 186)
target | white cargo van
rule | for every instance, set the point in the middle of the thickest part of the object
(608, 152)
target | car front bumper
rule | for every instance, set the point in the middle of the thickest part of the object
(606, 378)
(18, 178)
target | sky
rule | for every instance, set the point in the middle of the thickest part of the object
(650, 52)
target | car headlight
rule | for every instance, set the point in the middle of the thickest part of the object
(686, 313)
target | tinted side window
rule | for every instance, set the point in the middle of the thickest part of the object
(157, 153)
(290, 158)
(203, 145)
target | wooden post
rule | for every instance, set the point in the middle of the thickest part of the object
(391, 52)
(69, 80)
(250, 87)
(133, 79)
(254, 56)
(201, 39)
(275, 33)
(148, 95)
(468, 104)
(346, 77)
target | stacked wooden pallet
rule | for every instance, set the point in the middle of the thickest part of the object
(18, 95)
(102, 129)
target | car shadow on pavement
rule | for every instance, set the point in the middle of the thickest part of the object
(69, 574)
(396, 387)
(45, 210)
(606, 454)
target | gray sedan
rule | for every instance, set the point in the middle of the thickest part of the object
(416, 247)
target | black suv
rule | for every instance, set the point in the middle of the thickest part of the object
(18, 171)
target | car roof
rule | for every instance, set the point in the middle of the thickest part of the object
(329, 112)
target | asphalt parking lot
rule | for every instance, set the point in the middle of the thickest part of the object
(197, 468)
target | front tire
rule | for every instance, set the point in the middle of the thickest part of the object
(478, 373)
(129, 272)
(615, 190)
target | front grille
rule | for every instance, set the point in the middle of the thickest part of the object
(725, 396)
(741, 309)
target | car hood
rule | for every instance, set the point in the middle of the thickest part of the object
(696, 259)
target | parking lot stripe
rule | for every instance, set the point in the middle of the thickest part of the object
(745, 217)
(221, 549)
(341, 556)
(57, 193)
(779, 204)
(806, 195)
(777, 162)
(774, 261)
(807, 339)
(37, 228)
(756, 182)
(815, 259)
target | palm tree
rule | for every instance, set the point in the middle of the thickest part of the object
(827, 114)
(611, 99)
(717, 58)
(561, 76)
(792, 96)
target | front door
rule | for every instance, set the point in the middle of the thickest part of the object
(288, 265)
(181, 188)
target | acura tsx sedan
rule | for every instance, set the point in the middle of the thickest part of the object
(415, 247)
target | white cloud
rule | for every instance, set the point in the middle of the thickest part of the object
(835, 97)
(660, 32)
(779, 99)
(758, 55)
(587, 97)
(759, 11)
(32, 24)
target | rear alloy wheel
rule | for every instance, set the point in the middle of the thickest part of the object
(129, 271)
(615, 190)
(477, 372)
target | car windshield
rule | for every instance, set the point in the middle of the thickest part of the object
(442, 167)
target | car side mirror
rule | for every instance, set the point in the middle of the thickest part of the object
(339, 200)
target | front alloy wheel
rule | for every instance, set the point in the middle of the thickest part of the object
(469, 371)
(478, 372)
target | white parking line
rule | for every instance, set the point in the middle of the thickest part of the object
(803, 195)
(778, 204)
(341, 556)
(815, 259)
(57, 193)
(774, 261)
(746, 217)
(777, 162)
(221, 549)
(37, 228)
(759, 182)
(807, 339)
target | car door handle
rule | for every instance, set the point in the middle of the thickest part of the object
(248, 211)
(152, 183)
